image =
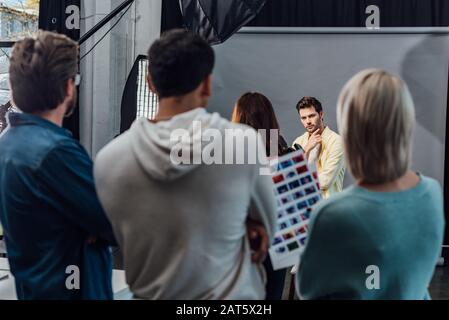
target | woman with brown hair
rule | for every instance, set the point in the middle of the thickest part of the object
(255, 110)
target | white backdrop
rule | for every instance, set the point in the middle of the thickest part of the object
(287, 64)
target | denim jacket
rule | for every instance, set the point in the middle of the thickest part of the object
(56, 232)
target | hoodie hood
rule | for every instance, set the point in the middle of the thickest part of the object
(152, 147)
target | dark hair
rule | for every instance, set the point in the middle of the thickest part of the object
(309, 102)
(255, 110)
(39, 70)
(178, 62)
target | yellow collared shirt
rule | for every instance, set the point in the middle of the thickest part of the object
(330, 164)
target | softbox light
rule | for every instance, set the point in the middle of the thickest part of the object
(217, 20)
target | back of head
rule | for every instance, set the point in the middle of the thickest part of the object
(39, 70)
(255, 110)
(178, 62)
(376, 118)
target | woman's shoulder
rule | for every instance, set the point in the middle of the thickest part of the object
(432, 190)
(430, 182)
(355, 200)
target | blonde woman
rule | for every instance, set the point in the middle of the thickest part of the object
(380, 238)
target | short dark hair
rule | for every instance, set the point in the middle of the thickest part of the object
(309, 102)
(178, 62)
(39, 70)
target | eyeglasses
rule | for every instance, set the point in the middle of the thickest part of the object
(77, 79)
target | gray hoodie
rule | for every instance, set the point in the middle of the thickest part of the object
(182, 227)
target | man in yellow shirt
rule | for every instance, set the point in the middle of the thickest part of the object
(321, 145)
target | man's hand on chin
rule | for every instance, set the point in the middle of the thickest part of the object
(314, 140)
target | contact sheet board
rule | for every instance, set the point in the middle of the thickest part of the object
(297, 191)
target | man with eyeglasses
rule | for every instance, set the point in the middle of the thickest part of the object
(57, 235)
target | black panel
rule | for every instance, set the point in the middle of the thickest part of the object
(332, 13)
(215, 20)
(351, 13)
(52, 17)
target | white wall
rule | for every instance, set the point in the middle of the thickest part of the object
(105, 70)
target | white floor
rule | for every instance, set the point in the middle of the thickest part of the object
(8, 290)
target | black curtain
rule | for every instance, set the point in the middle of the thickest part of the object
(171, 15)
(333, 13)
(351, 13)
(52, 17)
